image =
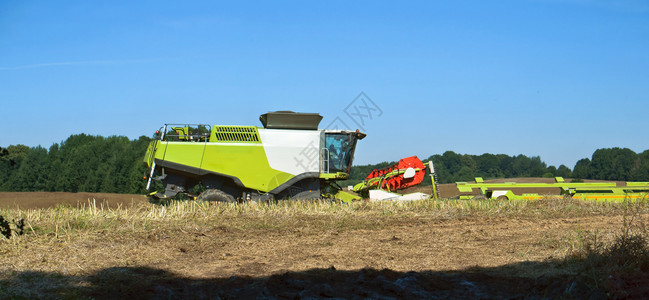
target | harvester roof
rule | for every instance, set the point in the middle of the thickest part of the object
(290, 120)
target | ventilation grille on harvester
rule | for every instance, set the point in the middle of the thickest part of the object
(236, 134)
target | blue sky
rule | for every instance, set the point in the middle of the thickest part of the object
(549, 78)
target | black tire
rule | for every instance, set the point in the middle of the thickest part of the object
(216, 196)
(502, 198)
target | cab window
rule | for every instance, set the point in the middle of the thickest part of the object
(340, 147)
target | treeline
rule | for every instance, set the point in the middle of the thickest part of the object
(85, 163)
(82, 163)
(453, 167)
(614, 164)
(606, 164)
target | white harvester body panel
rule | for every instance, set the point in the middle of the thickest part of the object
(292, 151)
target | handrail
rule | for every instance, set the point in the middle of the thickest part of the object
(190, 132)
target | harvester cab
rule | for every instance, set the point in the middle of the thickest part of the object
(289, 157)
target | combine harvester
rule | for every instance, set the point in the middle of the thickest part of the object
(290, 158)
(407, 172)
(593, 191)
(287, 158)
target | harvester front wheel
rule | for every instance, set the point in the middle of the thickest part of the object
(215, 195)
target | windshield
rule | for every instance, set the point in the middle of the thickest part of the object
(341, 150)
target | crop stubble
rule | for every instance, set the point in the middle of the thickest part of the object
(261, 242)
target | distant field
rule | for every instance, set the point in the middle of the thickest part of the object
(34, 200)
(31, 200)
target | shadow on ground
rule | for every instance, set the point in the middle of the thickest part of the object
(473, 283)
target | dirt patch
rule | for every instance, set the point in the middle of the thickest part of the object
(36, 200)
(413, 246)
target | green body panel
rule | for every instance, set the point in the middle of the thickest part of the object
(188, 154)
(346, 197)
(150, 153)
(246, 162)
(160, 150)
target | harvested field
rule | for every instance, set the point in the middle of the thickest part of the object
(419, 250)
(35, 200)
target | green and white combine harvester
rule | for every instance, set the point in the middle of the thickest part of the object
(290, 158)
(287, 158)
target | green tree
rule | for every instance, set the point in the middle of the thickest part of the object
(10, 161)
(613, 164)
(506, 165)
(33, 173)
(80, 163)
(488, 165)
(521, 166)
(582, 169)
(537, 167)
(466, 173)
(5, 166)
(563, 171)
(640, 170)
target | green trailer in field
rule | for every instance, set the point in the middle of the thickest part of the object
(289, 157)
(596, 191)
